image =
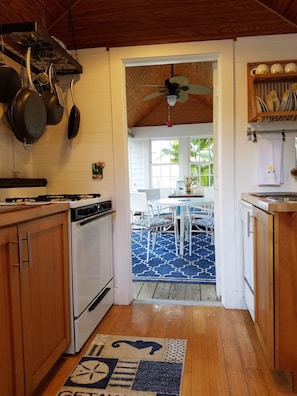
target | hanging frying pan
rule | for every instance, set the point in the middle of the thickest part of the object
(54, 111)
(74, 118)
(27, 112)
(10, 82)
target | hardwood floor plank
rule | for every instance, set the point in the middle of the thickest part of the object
(237, 383)
(136, 287)
(193, 292)
(162, 291)
(214, 363)
(177, 291)
(208, 293)
(147, 291)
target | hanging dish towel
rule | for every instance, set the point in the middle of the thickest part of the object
(270, 161)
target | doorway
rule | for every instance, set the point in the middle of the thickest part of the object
(141, 177)
(223, 53)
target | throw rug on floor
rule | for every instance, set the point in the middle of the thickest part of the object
(165, 266)
(128, 366)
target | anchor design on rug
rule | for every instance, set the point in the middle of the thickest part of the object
(139, 344)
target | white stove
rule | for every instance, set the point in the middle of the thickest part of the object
(91, 258)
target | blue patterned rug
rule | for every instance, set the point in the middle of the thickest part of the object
(165, 266)
(128, 366)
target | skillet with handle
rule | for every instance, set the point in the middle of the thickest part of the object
(74, 118)
(27, 112)
(54, 110)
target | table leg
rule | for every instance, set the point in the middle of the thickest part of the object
(182, 230)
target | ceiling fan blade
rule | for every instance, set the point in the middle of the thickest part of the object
(198, 89)
(154, 95)
(182, 96)
(152, 85)
(180, 80)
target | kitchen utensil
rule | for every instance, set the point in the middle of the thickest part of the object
(294, 170)
(74, 118)
(27, 112)
(53, 109)
(10, 82)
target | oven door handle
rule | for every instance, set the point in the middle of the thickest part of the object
(99, 299)
(96, 217)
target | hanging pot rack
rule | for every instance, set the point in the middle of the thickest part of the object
(45, 49)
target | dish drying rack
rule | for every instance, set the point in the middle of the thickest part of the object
(283, 86)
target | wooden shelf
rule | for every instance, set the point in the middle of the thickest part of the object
(260, 85)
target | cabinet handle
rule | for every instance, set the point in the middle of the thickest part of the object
(249, 228)
(22, 260)
(29, 249)
(19, 242)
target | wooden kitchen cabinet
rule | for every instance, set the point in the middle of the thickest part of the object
(11, 356)
(275, 288)
(34, 300)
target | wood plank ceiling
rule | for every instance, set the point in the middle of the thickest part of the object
(97, 23)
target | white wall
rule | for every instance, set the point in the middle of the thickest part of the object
(100, 96)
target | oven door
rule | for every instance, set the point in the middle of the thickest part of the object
(92, 264)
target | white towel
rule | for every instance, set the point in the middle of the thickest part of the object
(270, 161)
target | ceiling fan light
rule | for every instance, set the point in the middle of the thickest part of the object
(171, 99)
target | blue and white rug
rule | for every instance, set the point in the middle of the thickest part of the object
(165, 266)
(128, 366)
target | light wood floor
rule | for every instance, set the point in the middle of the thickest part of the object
(174, 291)
(223, 357)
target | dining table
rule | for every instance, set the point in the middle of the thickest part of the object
(183, 203)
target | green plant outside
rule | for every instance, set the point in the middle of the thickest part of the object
(201, 159)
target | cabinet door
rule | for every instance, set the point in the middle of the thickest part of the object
(264, 282)
(44, 295)
(11, 356)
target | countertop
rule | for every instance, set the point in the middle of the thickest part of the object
(269, 206)
(11, 214)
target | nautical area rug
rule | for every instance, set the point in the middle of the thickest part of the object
(165, 266)
(128, 366)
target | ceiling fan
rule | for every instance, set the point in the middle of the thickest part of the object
(177, 89)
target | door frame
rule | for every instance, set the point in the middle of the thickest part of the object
(222, 53)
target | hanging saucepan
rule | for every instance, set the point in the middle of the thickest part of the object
(10, 81)
(42, 82)
(27, 112)
(74, 118)
(54, 110)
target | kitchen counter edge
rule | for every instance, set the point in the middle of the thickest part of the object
(269, 206)
(31, 213)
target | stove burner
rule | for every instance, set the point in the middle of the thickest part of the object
(55, 197)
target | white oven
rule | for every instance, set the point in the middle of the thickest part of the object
(91, 269)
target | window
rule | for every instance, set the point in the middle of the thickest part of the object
(160, 163)
(164, 163)
(201, 160)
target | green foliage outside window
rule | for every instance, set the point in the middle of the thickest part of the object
(201, 160)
